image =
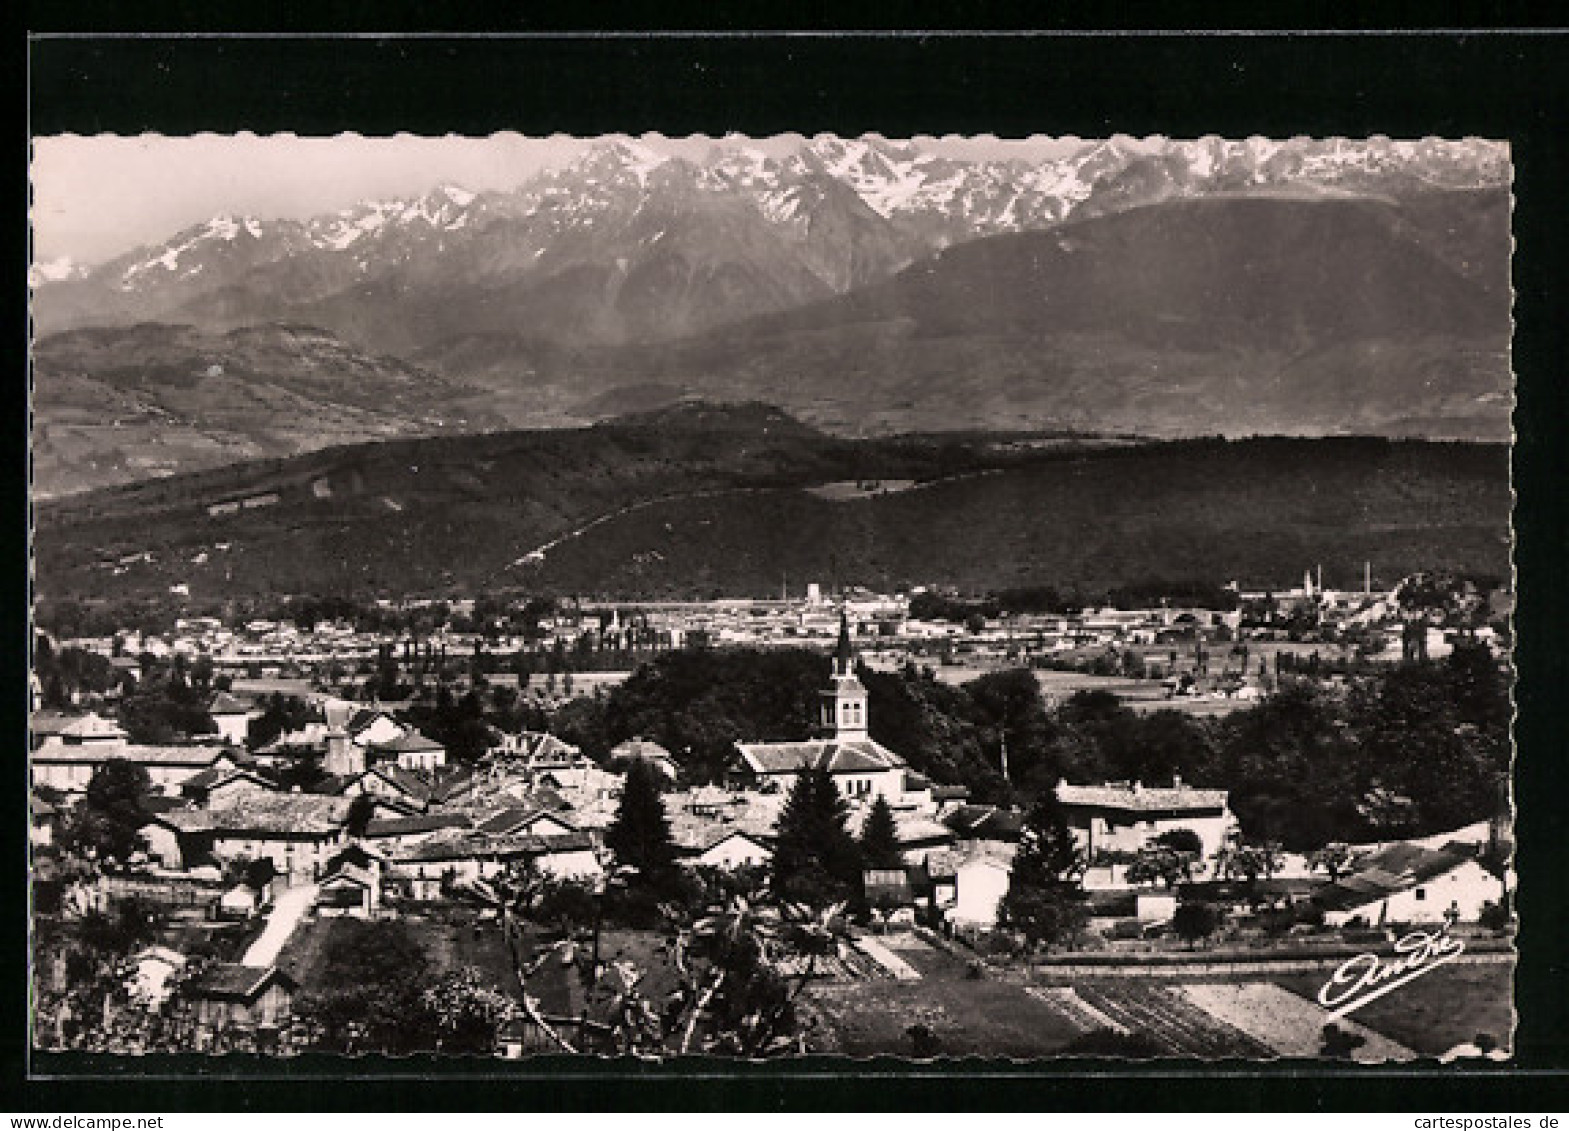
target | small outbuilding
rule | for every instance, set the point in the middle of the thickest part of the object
(349, 890)
(240, 902)
(229, 994)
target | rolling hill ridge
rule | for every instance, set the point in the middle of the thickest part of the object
(707, 500)
(113, 404)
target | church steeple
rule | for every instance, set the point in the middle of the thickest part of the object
(844, 704)
(844, 653)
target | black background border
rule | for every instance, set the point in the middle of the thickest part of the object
(1351, 83)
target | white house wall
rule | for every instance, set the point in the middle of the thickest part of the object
(735, 852)
(980, 888)
(1097, 833)
(1467, 889)
(232, 728)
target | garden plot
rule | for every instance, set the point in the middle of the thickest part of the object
(1168, 1017)
(848, 965)
(1066, 1001)
(1288, 1024)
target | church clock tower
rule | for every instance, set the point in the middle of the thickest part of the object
(844, 704)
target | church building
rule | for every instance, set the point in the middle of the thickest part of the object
(861, 767)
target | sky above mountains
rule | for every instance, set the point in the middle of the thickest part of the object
(97, 197)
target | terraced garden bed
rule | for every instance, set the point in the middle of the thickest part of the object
(1167, 1016)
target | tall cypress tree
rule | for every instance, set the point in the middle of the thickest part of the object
(1045, 893)
(880, 837)
(640, 835)
(816, 860)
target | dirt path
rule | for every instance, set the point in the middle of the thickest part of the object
(287, 911)
(888, 960)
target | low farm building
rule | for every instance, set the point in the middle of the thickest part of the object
(529, 751)
(426, 867)
(393, 786)
(231, 717)
(412, 752)
(68, 767)
(297, 832)
(1407, 883)
(386, 833)
(1124, 816)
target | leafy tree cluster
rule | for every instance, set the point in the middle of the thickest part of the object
(465, 1012)
(374, 976)
(1418, 749)
(280, 714)
(457, 722)
(1101, 739)
(169, 702)
(67, 671)
(944, 732)
(67, 618)
(105, 824)
(1196, 920)
(121, 928)
(697, 703)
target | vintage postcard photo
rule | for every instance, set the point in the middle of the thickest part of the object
(753, 597)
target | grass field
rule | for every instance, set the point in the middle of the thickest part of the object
(968, 1018)
(1437, 1011)
(448, 945)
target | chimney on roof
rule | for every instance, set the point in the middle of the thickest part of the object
(1176, 781)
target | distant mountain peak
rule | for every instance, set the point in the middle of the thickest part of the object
(56, 270)
(617, 157)
(457, 194)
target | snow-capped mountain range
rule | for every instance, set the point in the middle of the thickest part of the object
(624, 242)
(1151, 287)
